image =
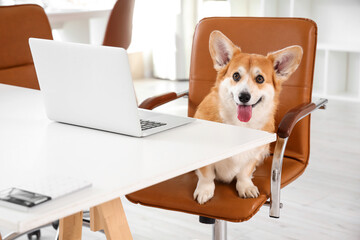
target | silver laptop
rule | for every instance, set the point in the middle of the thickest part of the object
(91, 86)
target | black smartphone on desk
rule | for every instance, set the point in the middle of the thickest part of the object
(21, 199)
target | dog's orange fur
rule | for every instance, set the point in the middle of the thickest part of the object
(275, 68)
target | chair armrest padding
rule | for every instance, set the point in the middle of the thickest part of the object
(296, 114)
(156, 101)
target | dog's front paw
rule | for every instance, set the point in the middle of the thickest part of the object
(204, 192)
(247, 189)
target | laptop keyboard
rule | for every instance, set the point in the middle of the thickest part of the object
(145, 124)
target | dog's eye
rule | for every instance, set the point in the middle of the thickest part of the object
(259, 79)
(236, 76)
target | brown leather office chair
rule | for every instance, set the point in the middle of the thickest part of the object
(253, 35)
(119, 27)
(17, 24)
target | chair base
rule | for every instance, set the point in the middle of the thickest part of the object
(33, 232)
(206, 220)
(220, 230)
(219, 227)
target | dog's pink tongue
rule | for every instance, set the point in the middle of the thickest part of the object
(244, 112)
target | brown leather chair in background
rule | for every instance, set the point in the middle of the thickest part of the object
(253, 35)
(17, 24)
(119, 27)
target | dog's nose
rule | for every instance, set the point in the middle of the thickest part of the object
(244, 97)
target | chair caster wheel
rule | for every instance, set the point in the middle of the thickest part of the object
(55, 225)
(34, 235)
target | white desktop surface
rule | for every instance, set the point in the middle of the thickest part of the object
(32, 146)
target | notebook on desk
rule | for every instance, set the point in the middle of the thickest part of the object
(91, 86)
(37, 191)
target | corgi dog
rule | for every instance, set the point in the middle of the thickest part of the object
(246, 94)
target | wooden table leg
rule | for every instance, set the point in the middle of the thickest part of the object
(71, 227)
(111, 218)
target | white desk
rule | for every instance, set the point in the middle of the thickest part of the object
(31, 146)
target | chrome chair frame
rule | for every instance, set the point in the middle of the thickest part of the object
(276, 167)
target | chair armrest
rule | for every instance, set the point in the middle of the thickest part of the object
(156, 101)
(286, 125)
(296, 114)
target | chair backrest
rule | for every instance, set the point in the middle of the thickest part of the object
(17, 24)
(119, 28)
(260, 35)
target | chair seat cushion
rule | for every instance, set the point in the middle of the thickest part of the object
(177, 194)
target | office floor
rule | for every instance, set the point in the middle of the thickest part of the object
(322, 204)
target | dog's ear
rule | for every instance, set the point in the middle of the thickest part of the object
(221, 49)
(286, 61)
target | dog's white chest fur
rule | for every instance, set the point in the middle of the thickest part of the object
(227, 169)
